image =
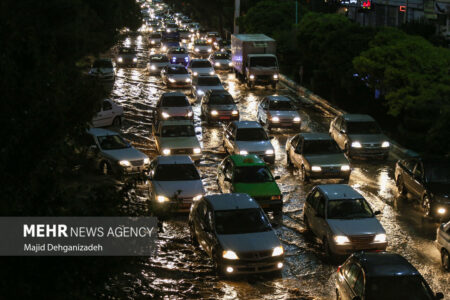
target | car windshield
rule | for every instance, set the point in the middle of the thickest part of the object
(263, 62)
(438, 173)
(208, 81)
(176, 172)
(320, 147)
(251, 134)
(280, 105)
(102, 64)
(174, 101)
(126, 51)
(349, 209)
(398, 287)
(177, 70)
(112, 142)
(240, 221)
(159, 59)
(253, 174)
(177, 131)
(363, 128)
(177, 51)
(155, 35)
(201, 64)
(201, 43)
(221, 56)
(221, 99)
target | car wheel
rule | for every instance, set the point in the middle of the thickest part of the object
(117, 122)
(194, 240)
(303, 175)
(426, 205)
(401, 186)
(288, 160)
(445, 260)
(105, 168)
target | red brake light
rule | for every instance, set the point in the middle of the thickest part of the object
(339, 269)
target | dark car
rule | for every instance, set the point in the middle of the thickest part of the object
(384, 275)
(126, 57)
(219, 106)
(427, 180)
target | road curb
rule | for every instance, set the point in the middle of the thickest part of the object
(396, 149)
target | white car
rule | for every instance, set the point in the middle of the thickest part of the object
(175, 184)
(203, 83)
(177, 137)
(103, 69)
(176, 76)
(221, 61)
(156, 63)
(110, 114)
(202, 48)
(198, 67)
(342, 219)
(113, 155)
(173, 106)
(248, 137)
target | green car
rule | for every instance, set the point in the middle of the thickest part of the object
(250, 175)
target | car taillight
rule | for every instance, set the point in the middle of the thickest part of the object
(339, 269)
(278, 197)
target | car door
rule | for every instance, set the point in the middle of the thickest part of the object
(351, 281)
(298, 153)
(210, 235)
(417, 178)
(204, 105)
(338, 132)
(291, 148)
(229, 138)
(199, 225)
(227, 177)
(319, 220)
(151, 171)
(261, 111)
(312, 211)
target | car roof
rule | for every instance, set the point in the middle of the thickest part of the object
(358, 118)
(278, 98)
(173, 94)
(339, 191)
(385, 264)
(315, 136)
(247, 124)
(247, 160)
(231, 201)
(174, 159)
(101, 132)
(177, 122)
(199, 59)
(213, 92)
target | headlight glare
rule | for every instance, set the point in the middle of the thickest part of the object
(197, 150)
(380, 238)
(275, 119)
(214, 113)
(243, 152)
(316, 168)
(162, 199)
(345, 168)
(146, 161)
(217, 64)
(165, 115)
(198, 197)
(166, 151)
(234, 112)
(229, 254)
(356, 145)
(297, 119)
(341, 239)
(277, 251)
(172, 80)
(269, 152)
(385, 144)
(124, 163)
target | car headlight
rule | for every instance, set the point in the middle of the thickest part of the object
(234, 112)
(345, 168)
(252, 76)
(230, 64)
(380, 238)
(120, 59)
(168, 30)
(316, 169)
(146, 161)
(277, 251)
(275, 76)
(341, 239)
(269, 152)
(197, 150)
(172, 80)
(200, 92)
(297, 119)
(198, 197)
(166, 151)
(209, 40)
(197, 50)
(214, 113)
(385, 144)
(211, 73)
(188, 80)
(217, 64)
(356, 145)
(441, 211)
(162, 199)
(189, 114)
(153, 42)
(229, 254)
(275, 119)
(165, 115)
(153, 67)
(195, 73)
(164, 48)
(124, 163)
(209, 50)
(243, 152)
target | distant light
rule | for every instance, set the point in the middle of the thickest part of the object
(402, 8)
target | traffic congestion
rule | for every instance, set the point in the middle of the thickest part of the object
(260, 193)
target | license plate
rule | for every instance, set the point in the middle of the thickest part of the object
(224, 118)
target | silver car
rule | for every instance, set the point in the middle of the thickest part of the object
(221, 61)
(278, 111)
(103, 69)
(359, 136)
(176, 76)
(343, 220)
(202, 48)
(203, 83)
(443, 244)
(173, 106)
(200, 67)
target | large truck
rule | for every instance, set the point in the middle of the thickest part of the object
(254, 59)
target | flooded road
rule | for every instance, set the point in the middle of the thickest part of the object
(179, 271)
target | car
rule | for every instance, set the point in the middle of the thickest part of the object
(168, 43)
(113, 155)
(384, 275)
(221, 61)
(219, 105)
(248, 137)
(156, 63)
(225, 46)
(176, 76)
(103, 69)
(343, 220)
(249, 174)
(185, 35)
(200, 67)
(236, 234)
(443, 244)
(178, 55)
(213, 38)
(360, 136)
(109, 114)
(177, 137)
(173, 106)
(427, 180)
(202, 48)
(152, 26)
(154, 39)
(317, 155)
(175, 184)
(194, 27)
(203, 83)
(126, 57)
(171, 27)
(278, 111)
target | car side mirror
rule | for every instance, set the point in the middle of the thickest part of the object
(277, 177)
(439, 295)
(377, 212)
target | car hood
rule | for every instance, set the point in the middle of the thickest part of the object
(356, 226)
(368, 138)
(249, 242)
(222, 61)
(203, 47)
(327, 159)
(179, 77)
(188, 188)
(223, 107)
(177, 111)
(254, 146)
(179, 142)
(440, 189)
(284, 113)
(125, 154)
(127, 56)
(257, 189)
(205, 88)
(202, 70)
